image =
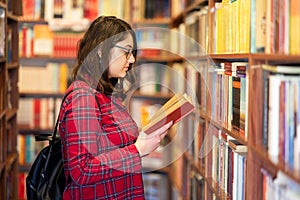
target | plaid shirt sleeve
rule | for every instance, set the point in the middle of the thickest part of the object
(98, 142)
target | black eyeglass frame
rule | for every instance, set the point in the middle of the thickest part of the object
(128, 52)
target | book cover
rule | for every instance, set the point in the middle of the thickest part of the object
(43, 40)
(273, 117)
(236, 87)
(174, 110)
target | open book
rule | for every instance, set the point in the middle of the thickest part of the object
(179, 106)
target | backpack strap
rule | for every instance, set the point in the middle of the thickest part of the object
(54, 138)
(57, 120)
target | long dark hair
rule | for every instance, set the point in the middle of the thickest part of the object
(102, 35)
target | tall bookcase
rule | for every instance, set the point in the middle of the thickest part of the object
(48, 35)
(246, 141)
(228, 152)
(9, 95)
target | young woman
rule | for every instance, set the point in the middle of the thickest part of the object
(102, 147)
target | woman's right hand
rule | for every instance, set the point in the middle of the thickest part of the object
(147, 143)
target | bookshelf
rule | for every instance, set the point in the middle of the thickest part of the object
(232, 35)
(9, 67)
(47, 50)
(239, 102)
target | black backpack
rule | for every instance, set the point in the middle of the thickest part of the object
(46, 178)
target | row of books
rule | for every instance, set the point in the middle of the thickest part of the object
(39, 113)
(275, 26)
(227, 90)
(196, 29)
(196, 70)
(281, 136)
(10, 38)
(22, 185)
(281, 187)
(148, 9)
(40, 40)
(29, 148)
(188, 39)
(156, 186)
(183, 139)
(160, 78)
(228, 161)
(152, 38)
(232, 26)
(52, 78)
(224, 155)
(68, 9)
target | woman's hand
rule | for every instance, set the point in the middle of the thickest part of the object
(147, 143)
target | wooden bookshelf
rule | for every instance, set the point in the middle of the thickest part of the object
(216, 54)
(9, 67)
(258, 158)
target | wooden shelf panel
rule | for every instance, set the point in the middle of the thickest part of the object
(34, 131)
(42, 61)
(25, 94)
(10, 160)
(11, 113)
(272, 167)
(160, 58)
(276, 57)
(14, 65)
(220, 194)
(33, 21)
(176, 20)
(195, 5)
(230, 56)
(234, 133)
(2, 114)
(267, 58)
(12, 17)
(258, 57)
(164, 170)
(155, 21)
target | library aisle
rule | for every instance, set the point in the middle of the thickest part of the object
(239, 60)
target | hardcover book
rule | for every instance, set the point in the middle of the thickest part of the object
(237, 147)
(179, 106)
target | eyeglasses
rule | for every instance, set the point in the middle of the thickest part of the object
(128, 52)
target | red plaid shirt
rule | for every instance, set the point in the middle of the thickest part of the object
(100, 158)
